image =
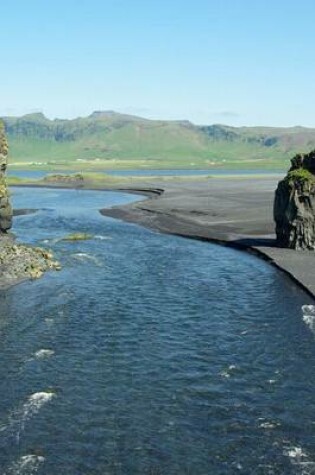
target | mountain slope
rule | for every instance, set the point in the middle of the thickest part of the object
(108, 135)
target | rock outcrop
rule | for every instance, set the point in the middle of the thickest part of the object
(294, 205)
(18, 262)
(5, 207)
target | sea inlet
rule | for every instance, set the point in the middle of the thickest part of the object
(150, 354)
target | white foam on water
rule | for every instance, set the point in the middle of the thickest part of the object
(102, 238)
(26, 465)
(300, 459)
(227, 373)
(309, 316)
(268, 424)
(84, 256)
(50, 241)
(310, 322)
(36, 401)
(44, 353)
(32, 407)
(40, 355)
(308, 310)
(18, 418)
(50, 321)
(296, 453)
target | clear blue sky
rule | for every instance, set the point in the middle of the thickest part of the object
(240, 62)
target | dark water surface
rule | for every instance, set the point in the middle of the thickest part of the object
(150, 354)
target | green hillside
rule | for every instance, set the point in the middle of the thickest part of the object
(109, 139)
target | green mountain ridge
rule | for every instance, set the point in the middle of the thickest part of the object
(108, 135)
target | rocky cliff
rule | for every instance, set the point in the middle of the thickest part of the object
(294, 205)
(5, 207)
(17, 261)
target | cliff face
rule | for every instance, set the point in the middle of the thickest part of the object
(5, 207)
(17, 262)
(294, 205)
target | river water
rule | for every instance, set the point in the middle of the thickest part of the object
(150, 354)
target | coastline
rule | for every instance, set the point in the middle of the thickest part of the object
(234, 213)
(191, 212)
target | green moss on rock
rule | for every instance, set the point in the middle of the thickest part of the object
(300, 175)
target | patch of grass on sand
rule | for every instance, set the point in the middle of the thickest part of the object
(77, 237)
(14, 180)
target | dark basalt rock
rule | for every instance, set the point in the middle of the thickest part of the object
(294, 205)
(5, 207)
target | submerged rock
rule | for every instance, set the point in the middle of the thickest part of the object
(294, 205)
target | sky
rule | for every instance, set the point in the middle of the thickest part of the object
(236, 62)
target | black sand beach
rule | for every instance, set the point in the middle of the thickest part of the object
(233, 211)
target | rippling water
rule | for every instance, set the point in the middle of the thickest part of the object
(150, 354)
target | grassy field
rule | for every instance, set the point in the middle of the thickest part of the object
(45, 154)
(267, 165)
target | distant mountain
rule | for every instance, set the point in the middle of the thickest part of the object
(108, 135)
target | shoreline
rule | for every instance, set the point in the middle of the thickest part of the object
(237, 214)
(267, 256)
(297, 265)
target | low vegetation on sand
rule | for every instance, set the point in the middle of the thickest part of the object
(90, 180)
(77, 237)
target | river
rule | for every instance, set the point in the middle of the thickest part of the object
(150, 354)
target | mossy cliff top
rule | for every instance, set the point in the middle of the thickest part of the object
(302, 168)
